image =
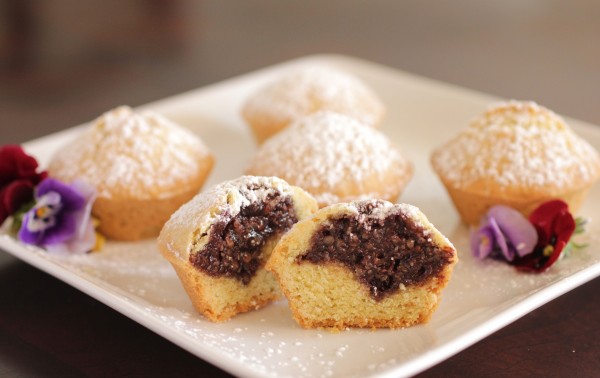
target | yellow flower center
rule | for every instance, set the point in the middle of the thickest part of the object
(548, 250)
(42, 212)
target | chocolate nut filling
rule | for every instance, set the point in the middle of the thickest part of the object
(383, 254)
(234, 246)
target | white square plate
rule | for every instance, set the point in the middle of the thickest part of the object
(481, 298)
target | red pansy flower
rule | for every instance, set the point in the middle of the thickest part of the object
(555, 226)
(18, 177)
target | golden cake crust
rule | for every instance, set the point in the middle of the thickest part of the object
(303, 91)
(517, 154)
(187, 231)
(335, 158)
(142, 166)
(329, 296)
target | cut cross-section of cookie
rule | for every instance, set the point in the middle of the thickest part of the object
(364, 264)
(219, 242)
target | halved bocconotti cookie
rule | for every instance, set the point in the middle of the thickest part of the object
(364, 264)
(219, 242)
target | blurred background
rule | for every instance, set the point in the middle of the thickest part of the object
(64, 62)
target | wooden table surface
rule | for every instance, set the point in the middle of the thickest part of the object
(64, 62)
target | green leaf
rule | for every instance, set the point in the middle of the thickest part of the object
(580, 224)
(18, 217)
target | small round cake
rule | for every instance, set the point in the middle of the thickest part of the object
(306, 90)
(517, 154)
(364, 264)
(219, 242)
(142, 165)
(335, 158)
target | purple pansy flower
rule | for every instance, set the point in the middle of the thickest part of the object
(505, 233)
(60, 221)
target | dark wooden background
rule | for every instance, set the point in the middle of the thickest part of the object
(64, 62)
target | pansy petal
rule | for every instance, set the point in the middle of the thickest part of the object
(543, 218)
(70, 199)
(27, 167)
(9, 156)
(64, 230)
(564, 226)
(507, 252)
(547, 211)
(83, 215)
(79, 245)
(558, 250)
(27, 236)
(4, 214)
(482, 242)
(16, 164)
(537, 262)
(521, 235)
(49, 199)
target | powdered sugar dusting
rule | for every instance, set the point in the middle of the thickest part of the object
(380, 210)
(312, 88)
(518, 143)
(229, 197)
(325, 150)
(123, 153)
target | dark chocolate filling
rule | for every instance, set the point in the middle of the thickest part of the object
(383, 254)
(234, 245)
